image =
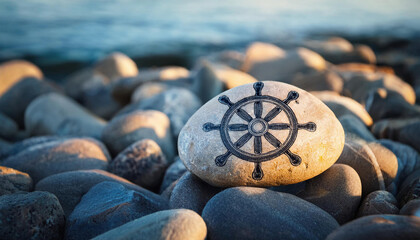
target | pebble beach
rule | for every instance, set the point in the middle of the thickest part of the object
(317, 137)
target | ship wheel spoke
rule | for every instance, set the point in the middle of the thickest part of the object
(242, 140)
(295, 160)
(258, 173)
(244, 115)
(238, 127)
(310, 126)
(222, 159)
(258, 109)
(272, 140)
(279, 126)
(257, 145)
(272, 114)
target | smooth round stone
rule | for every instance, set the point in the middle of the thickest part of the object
(43, 160)
(266, 61)
(177, 103)
(412, 208)
(8, 128)
(124, 130)
(342, 106)
(206, 84)
(402, 130)
(232, 78)
(177, 224)
(54, 114)
(410, 188)
(16, 99)
(123, 89)
(231, 58)
(142, 163)
(13, 71)
(106, 206)
(191, 193)
(337, 191)
(257, 213)
(387, 161)
(386, 227)
(63, 186)
(378, 202)
(173, 173)
(148, 90)
(116, 65)
(35, 215)
(318, 144)
(12, 181)
(355, 129)
(319, 81)
(361, 158)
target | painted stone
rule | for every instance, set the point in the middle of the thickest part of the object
(261, 134)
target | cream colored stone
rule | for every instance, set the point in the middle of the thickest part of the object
(12, 71)
(318, 150)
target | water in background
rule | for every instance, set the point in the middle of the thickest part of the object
(82, 31)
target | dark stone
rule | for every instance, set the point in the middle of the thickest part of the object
(355, 128)
(108, 205)
(410, 188)
(173, 173)
(12, 181)
(257, 213)
(412, 208)
(35, 215)
(384, 227)
(378, 202)
(192, 193)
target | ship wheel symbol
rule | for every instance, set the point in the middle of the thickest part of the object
(258, 127)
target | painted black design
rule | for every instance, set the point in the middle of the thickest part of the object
(258, 127)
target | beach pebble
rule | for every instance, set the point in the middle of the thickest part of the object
(337, 191)
(361, 158)
(123, 89)
(142, 163)
(385, 227)
(13, 71)
(412, 208)
(54, 114)
(318, 144)
(8, 128)
(387, 161)
(177, 103)
(342, 106)
(69, 187)
(126, 129)
(45, 159)
(231, 58)
(409, 189)
(206, 84)
(191, 193)
(257, 213)
(105, 206)
(378, 202)
(319, 81)
(266, 61)
(173, 173)
(116, 65)
(16, 99)
(35, 215)
(12, 181)
(355, 129)
(148, 90)
(176, 224)
(402, 130)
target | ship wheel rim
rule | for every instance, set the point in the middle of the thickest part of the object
(258, 158)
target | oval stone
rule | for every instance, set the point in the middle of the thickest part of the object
(262, 134)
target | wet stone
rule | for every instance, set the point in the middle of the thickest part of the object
(261, 134)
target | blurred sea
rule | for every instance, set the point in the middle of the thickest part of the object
(60, 31)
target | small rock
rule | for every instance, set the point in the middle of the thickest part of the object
(116, 65)
(63, 186)
(45, 159)
(386, 227)
(177, 224)
(35, 215)
(173, 173)
(387, 161)
(13, 181)
(148, 90)
(124, 130)
(142, 163)
(342, 106)
(53, 114)
(13, 71)
(8, 128)
(261, 133)
(361, 158)
(257, 213)
(355, 129)
(166, 194)
(410, 188)
(266, 61)
(123, 89)
(294, 189)
(412, 208)
(106, 206)
(206, 83)
(337, 191)
(402, 130)
(319, 81)
(231, 58)
(191, 193)
(378, 202)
